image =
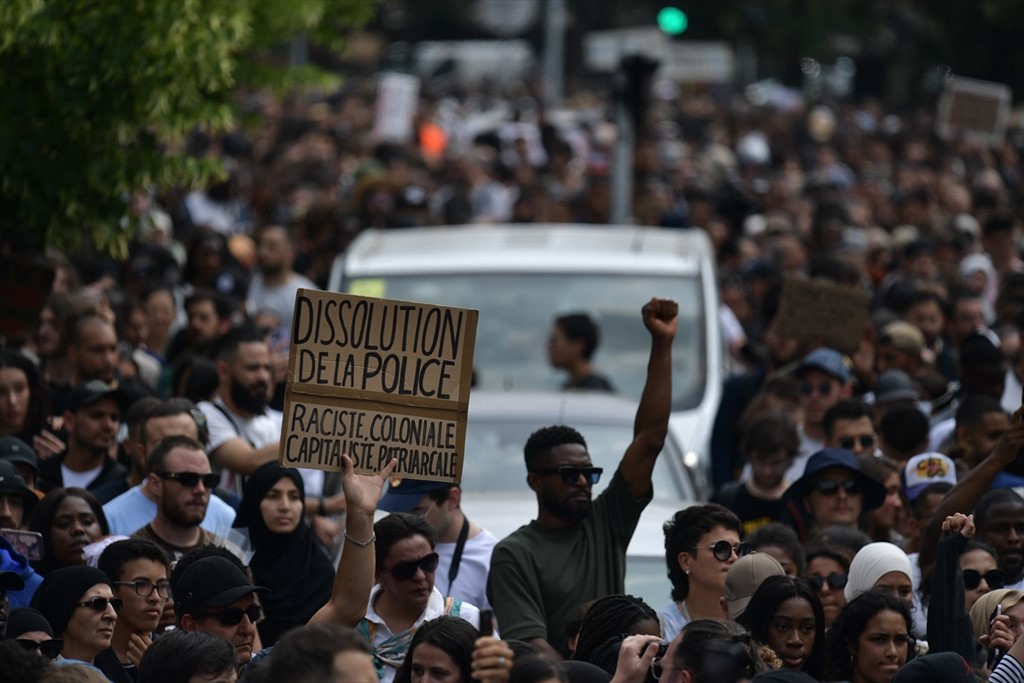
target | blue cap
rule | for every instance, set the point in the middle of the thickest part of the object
(874, 492)
(404, 494)
(828, 361)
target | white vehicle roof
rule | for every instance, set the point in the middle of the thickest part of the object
(526, 248)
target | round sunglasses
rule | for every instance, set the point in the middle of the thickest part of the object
(723, 550)
(835, 581)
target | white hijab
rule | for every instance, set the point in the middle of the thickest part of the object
(871, 563)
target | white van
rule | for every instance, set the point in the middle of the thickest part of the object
(520, 277)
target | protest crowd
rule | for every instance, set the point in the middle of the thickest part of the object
(865, 523)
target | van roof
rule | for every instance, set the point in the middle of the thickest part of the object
(530, 248)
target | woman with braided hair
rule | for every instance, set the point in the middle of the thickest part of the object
(610, 617)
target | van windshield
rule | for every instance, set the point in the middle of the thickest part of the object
(517, 311)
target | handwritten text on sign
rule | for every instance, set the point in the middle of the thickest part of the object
(377, 378)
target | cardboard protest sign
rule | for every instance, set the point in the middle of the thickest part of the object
(378, 378)
(974, 108)
(822, 311)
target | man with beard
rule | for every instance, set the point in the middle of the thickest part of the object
(209, 319)
(273, 287)
(245, 432)
(129, 511)
(181, 481)
(575, 550)
(92, 419)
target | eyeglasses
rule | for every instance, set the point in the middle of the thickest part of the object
(865, 441)
(48, 648)
(145, 588)
(994, 578)
(233, 615)
(570, 475)
(835, 581)
(100, 604)
(723, 550)
(191, 479)
(830, 487)
(403, 571)
(824, 389)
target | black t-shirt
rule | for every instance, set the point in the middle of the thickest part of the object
(753, 512)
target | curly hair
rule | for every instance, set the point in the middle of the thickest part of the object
(607, 617)
(769, 596)
(682, 533)
(844, 636)
(546, 438)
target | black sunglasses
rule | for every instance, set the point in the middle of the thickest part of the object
(100, 604)
(835, 581)
(723, 550)
(830, 487)
(865, 441)
(994, 578)
(570, 475)
(48, 648)
(145, 588)
(403, 571)
(823, 389)
(233, 615)
(191, 479)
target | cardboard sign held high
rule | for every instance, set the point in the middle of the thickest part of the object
(378, 378)
(822, 311)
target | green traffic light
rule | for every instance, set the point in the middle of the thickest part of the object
(672, 20)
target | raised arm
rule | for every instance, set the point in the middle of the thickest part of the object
(354, 579)
(964, 496)
(651, 424)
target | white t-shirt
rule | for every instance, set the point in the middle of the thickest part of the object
(259, 431)
(278, 299)
(79, 479)
(471, 581)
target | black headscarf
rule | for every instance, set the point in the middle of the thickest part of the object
(61, 590)
(293, 566)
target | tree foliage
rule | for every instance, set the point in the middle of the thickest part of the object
(100, 94)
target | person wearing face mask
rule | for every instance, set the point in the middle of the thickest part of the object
(288, 559)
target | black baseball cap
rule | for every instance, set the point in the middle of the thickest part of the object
(13, 449)
(211, 582)
(87, 393)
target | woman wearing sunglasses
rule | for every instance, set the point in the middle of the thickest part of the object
(964, 572)
(404, 596)
(701, 543)
(827, 572)
(30, 629)
(80, 605)
(69, 519)
(288, 558)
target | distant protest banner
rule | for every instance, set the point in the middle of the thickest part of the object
(818, 310)
(973, 108)
(378, 378)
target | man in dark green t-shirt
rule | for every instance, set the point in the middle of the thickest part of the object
(575, 550)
